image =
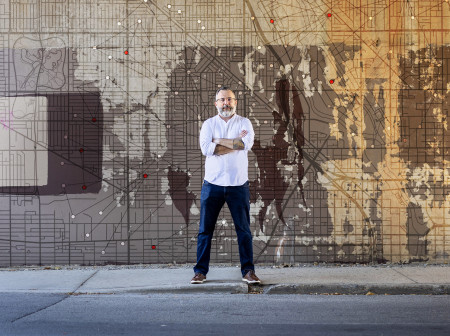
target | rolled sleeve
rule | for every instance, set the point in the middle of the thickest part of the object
(250, 137)
(206, 136)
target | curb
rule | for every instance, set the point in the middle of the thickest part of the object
(226, 288)
(374, 289)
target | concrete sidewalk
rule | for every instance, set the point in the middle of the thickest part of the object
(308, 279)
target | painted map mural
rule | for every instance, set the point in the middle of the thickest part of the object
(101, 104)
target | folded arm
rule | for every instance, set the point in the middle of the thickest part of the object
(221, 150)
(232, 144)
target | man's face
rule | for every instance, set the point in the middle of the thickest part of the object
(226, 103)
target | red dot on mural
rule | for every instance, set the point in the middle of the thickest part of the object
(81, 150)
(126, 52)
(404, 140)
(329, 14)
(145, 175)
(153, 247)
(84, 187)
(272, 21)
(94, 119)
(331, 81)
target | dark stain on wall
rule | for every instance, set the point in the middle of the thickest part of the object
(416, 231)
(182, 199)
(424, 138)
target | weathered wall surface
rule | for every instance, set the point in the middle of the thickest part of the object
(101, 103)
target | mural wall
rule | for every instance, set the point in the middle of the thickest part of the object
(101, 104)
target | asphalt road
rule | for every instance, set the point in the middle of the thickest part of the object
(223, 314)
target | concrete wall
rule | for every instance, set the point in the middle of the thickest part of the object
(101, 103)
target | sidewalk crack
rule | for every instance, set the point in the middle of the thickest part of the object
(65, 296)
(407, 277)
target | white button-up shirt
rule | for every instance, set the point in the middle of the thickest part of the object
(228, 169)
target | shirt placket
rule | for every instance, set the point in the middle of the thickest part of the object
(226, 131)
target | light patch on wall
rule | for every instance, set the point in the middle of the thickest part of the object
(194, 210)
(440, 117)
(246, 68)
(349, 194)
(23, 141)
(255, 208)
(304, 68)
(435, 212)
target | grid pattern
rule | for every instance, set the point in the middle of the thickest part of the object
(102, 102)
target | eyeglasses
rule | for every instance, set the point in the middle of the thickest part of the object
(223, 100)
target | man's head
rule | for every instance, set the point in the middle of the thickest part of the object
(225, 102)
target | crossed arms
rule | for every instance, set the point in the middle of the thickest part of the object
(225, 146)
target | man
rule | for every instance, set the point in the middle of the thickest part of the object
(225, 140)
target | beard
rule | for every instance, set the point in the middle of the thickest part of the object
(226, 111)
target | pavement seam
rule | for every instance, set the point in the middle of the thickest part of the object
(65, 296)
(407, 277)
(89, 278)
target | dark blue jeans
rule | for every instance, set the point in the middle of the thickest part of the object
(213, 197)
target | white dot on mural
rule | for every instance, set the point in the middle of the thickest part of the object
(119, 23)
(265, 121)
(73, 216)
(100, 212)
(107, 77)
(169, 6)
(62, 163)
(370, 18)
(271, 65)
(94, 47)
(179, 11)
(87, 234)
(259, 47)
(224, 221)
(203, 27)
(412, 17)
(110, 57)
(122, 243)
(199, 21)
(139, 21)
(252, 17)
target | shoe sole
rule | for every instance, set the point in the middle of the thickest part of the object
(251, 282)
(197, 282)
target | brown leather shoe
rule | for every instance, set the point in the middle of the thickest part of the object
(251, 278)
(198, 278)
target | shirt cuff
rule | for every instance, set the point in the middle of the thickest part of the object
(211, 149)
